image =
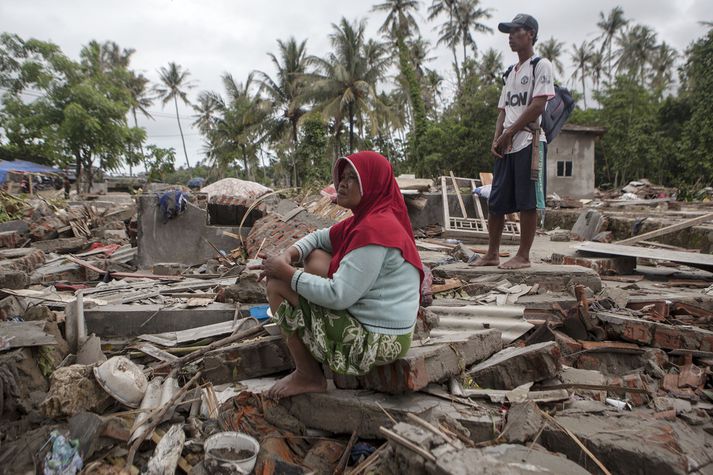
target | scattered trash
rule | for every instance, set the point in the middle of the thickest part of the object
(230, 452)
(63, 458)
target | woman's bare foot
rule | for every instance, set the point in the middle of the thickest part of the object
(516, 262)
(486, 260)
(297, 383)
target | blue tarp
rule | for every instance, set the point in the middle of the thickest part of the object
(23, 166)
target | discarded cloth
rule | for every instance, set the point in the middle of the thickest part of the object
(338, 339)
(64, 457)
(172, 204)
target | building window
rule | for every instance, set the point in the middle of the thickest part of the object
(564, 168)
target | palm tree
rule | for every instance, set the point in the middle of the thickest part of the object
(175, 82)
(581, 56)
(637, 45)
(399, 19)
(234, 130)
(468, 16)
(102, 58)
(140, 101)
(286, 91)
(662, 63)
(344, 82)
(447, 32)
(209, 104)
(491, 66)
(596, 67)
(431, 84)
(551, 49)
(610, 26)
(398, 26)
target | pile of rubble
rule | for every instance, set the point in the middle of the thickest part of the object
(116, 358)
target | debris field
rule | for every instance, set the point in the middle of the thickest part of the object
(134, 338)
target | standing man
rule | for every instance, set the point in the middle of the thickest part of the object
(521, 104)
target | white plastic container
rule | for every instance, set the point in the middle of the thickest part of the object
(235, 441)
(123, 380)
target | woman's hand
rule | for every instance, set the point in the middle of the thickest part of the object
(276, 267)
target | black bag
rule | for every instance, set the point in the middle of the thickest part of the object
(557, 110)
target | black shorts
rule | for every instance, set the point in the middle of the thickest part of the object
(512, 189)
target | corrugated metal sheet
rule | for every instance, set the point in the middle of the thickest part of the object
(508, 319)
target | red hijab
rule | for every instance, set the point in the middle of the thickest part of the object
(380, 218)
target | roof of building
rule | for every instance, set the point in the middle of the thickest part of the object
(23, 166)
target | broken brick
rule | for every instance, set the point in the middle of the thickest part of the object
(423, 365)
(567, 344)
(635, 381)
(9, 239)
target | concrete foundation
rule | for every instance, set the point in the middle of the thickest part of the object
(183, 239)
(342, 411)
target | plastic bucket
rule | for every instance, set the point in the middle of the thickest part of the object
(216, 461)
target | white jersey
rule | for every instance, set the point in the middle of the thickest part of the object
(515, 96)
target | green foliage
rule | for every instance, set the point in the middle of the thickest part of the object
(461, 140)
(79, 110)
(418, 108)
(159, 162)
(311, 154)
(696, 146)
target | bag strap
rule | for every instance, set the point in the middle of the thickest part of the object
(533, 62)
(507, 73)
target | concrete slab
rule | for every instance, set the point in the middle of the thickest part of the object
(442, 359)
(127, 320)
(550, 277)
(513, 366)
(619, 265)
(342, 411)
(60, 245)
(630, 442)
(252, 359)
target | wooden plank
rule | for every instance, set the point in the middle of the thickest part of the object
(460, 198)
(478, 207)
(84, 264)
(667, 230)
(444, 198)
(701, 261)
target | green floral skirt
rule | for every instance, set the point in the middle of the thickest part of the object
(336, 338)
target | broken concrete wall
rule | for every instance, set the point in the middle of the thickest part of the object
(433, 212)
(181, 239)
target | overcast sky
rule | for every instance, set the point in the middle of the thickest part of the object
(210, 37)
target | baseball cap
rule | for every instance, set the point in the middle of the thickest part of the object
(521, 20)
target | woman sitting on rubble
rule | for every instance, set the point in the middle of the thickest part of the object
(354, 305)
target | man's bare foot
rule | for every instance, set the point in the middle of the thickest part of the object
(486, 260)
(516, 262)
(297, 383)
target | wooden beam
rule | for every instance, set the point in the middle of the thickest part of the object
(667, 230)
(460, 198)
